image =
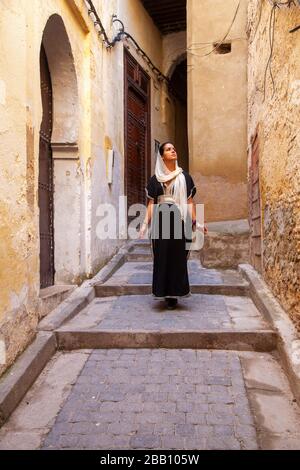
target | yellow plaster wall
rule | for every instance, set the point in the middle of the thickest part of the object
(217, 107)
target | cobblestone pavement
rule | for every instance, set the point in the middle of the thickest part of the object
(156, 399)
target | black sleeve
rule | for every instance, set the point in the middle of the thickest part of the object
(151, 189)
(190, 186)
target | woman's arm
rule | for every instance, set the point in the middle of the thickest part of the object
(192, 212)
(147, 218)
(192, 208)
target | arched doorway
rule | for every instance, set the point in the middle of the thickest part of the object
(46, 178)
(178, 89)
(64, 250)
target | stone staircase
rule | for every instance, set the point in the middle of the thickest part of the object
(219, 315)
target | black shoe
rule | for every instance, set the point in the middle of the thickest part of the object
(171, 303)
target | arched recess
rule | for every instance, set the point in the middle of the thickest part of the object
(175, 62)
(178, 90)
(64, 82)
(64, 146)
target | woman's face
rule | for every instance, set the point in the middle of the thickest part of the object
(169, 152)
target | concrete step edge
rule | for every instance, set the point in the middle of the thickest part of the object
(255, 340)
(146, 289)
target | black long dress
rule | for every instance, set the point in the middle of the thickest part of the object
(170, 254)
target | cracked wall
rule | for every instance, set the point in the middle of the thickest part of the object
(275, 114)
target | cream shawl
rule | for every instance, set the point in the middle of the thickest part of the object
(164, 175)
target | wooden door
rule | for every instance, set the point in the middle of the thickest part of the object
(137, 131)
(46, 179)
(255, 207)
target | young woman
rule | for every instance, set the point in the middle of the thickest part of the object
(171, 211)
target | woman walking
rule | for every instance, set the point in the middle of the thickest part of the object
(172, 214)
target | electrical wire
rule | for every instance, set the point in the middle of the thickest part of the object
(205, 44)
(120, 35)
(271, 40)
(229, 29)
(288, 3)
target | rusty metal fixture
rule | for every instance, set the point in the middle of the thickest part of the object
(119, 36)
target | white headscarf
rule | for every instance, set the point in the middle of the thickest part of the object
(180, 192)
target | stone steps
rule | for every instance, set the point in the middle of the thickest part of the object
(108, 290)
(141, 251)
(219, 315)
(202, 321)
(260, 340)
(139, 256)
(146, 256)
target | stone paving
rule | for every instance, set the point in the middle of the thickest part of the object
(141, 273)
(156, 399)
(197, 313)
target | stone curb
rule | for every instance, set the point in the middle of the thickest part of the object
(288, 339)
(82, 296)
(110, 268)
(260, 340)
(17, 381)
(79, 299)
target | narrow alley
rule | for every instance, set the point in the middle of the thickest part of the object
(110, 112)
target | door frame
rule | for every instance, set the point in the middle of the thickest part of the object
(49, 279)
(256, 258)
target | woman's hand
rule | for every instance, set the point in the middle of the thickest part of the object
(143, 230)
(203, 228)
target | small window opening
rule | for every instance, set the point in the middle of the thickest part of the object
(224, 48)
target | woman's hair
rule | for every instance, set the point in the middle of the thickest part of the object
(162, 147)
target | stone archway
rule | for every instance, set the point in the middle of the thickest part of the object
(64, 146)
(64, 82)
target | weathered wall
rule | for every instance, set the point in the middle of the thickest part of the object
(217, 107)
(18, 243)
(89, 119)
(277, 119)
(174, 51)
